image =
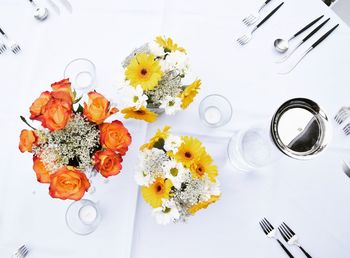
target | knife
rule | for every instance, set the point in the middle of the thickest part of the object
(54, 6)
(68, 6)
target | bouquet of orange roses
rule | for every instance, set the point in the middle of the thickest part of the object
(73, 143)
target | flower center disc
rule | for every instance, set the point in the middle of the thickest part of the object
(188, 154)
(143, 71)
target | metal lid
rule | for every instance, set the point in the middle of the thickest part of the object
(300, 129)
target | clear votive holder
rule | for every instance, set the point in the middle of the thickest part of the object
(83, 217)
(82, 74)
(215, 110)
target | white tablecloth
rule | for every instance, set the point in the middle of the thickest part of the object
(312, 197)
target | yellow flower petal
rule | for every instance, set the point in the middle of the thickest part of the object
(203, 205)
(142, 114)
(161, 134)
(144, 70)
(160, 189)
(189, 151)
(169, 45)
(189, 93)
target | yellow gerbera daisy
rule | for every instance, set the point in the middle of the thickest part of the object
(161, 134)
(189, 151)
(157, 191)
(189, 93)
(144, 70)
(142, 114)
(204, 166)
(203, 205)
(169, 45)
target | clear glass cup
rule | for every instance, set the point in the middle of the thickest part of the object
(82, 74)
(215, 110)
(83, 217)
(252, 149)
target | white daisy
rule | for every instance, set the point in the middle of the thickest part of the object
(177, 60)
(156, 49)
(172, 143)
(167, 213)
(137, 98)
(143, 178)
(171, 105)
(175, 171)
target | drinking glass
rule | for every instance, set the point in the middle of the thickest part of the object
(215, 110)
(252, 149)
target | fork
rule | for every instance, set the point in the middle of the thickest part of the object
(2, 47)
(15, 48)
(290, 237)
(247, 37)
(346, 129)
(21, 252)
(342, 115)
(271, 233)
(252, 18)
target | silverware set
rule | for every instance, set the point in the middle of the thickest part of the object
(287, 234)
(342, 116)
(15, 48)
(248, 36)
(282, 45)
(22, 252)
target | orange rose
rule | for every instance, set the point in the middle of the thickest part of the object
(42, 174)
(27, 139)
(68, 183)
(63, 86)
(56, 114)
(107, 162)
(54, 108)
(36, 109)
(97, 108)
(115, 136)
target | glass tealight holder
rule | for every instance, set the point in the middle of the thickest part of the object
(83, 217)
(82, 74)
(215, 110)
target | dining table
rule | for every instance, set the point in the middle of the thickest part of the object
(311, 196)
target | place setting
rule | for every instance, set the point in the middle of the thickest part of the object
(282, 46)
(180, 152)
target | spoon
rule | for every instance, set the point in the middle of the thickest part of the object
(40, 13)
(282, 45)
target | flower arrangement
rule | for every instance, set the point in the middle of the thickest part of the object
(177, 176)
(152, 79)
(73, 144)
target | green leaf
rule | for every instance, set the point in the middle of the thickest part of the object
(80, 109)
(77, 100)
(25, 121)
(159, 144)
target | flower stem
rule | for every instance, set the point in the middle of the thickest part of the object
(25, 121)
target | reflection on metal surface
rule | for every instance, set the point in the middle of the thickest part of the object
(300, 129)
